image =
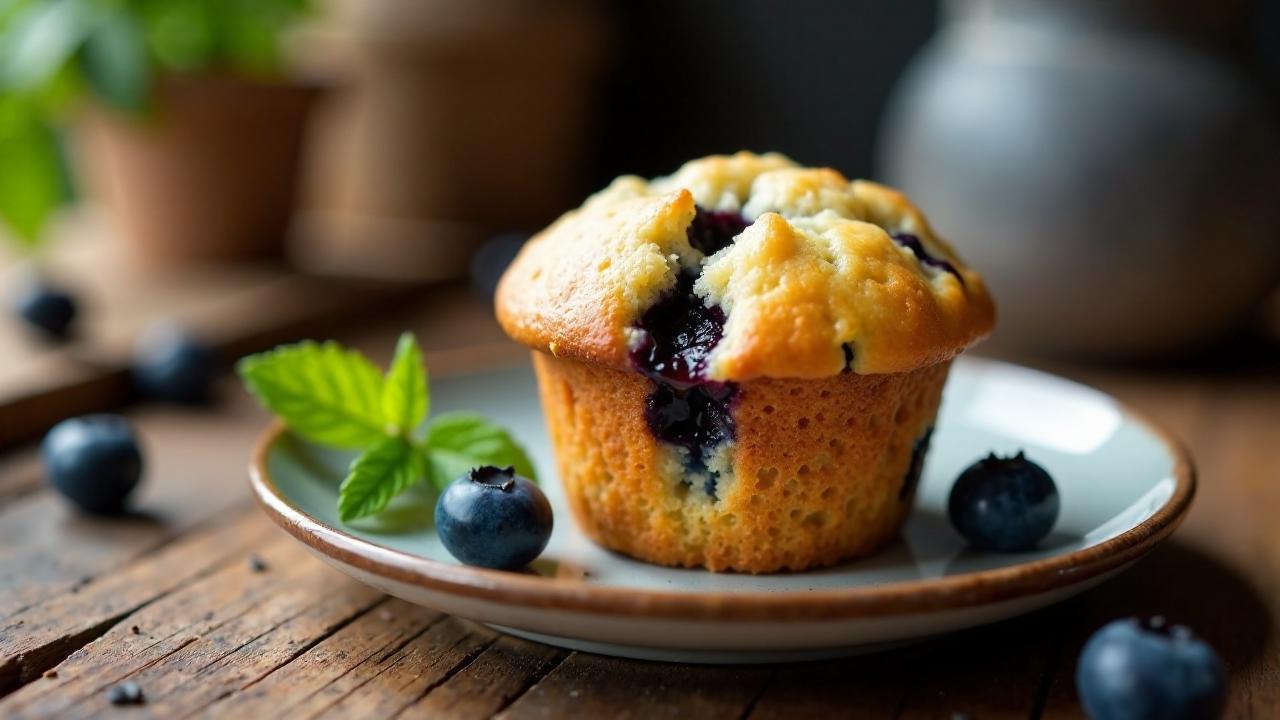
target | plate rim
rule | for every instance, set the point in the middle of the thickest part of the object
(908, 597)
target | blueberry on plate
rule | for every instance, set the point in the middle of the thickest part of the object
(169, 364)
(1140, 670)
(493, 518)
(1004, 504)
(47, 309)
(93, 461)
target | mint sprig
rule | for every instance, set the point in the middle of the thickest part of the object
(334, 396)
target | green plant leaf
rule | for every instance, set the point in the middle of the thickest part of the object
(378, 475)
(33, 183)
(40, 40)
(457, 442)
(405, 397)
(251, 42)
(116, 64)
(182, 34)
(324, 392)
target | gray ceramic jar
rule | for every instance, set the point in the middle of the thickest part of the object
(1119, 187)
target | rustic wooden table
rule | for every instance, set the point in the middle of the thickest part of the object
(214, 612)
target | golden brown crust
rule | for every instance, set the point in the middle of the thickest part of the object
(815, 475)
(575, 288)
(816, 270)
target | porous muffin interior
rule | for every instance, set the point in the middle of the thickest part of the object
(821, 471)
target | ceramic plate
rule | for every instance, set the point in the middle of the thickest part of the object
(1124, 485)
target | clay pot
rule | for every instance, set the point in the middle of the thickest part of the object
(462, 119)
(210, 176)
(1115, 182)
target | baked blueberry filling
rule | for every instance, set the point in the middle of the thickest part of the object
(912, 478)
(679, 333)
(714, 230)
(677, 336)
(698, 419)
(912, 243)
(684, 409)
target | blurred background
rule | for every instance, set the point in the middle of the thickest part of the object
(254, 170)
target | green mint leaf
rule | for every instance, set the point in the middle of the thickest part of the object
(323, 392)
(377, 475)
(457, 442)
(405, 396)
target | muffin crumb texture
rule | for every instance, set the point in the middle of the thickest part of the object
(821, 470)
(813, 264)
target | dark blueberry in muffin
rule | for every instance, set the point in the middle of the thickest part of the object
(693, 418)
(912, 243)
(848, 357)
(697, 419)
(912, 478)
(714, 230)
(680, 331)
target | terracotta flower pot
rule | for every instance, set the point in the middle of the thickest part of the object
(211, 176)
(462, 119)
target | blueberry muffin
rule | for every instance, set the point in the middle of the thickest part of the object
(740, 363)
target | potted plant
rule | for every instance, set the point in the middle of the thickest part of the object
(192, 134)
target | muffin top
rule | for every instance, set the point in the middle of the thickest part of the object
(745, 266)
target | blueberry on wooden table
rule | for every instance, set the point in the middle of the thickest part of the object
(170, 364)
(493, 518)
(1004, 504)
(126, 693)
(1149, 669)
(94, 461)
(47, 309)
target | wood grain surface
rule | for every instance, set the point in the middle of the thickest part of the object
(172, 599)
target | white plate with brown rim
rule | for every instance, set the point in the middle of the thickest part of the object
(1124, 483)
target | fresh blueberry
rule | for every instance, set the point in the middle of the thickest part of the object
(171, 365)
(493, 518)
(94, 461)
(47, 309)
(1004, 504)
(126, 693)
(1148, 670)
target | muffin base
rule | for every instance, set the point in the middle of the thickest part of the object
(816, 475)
